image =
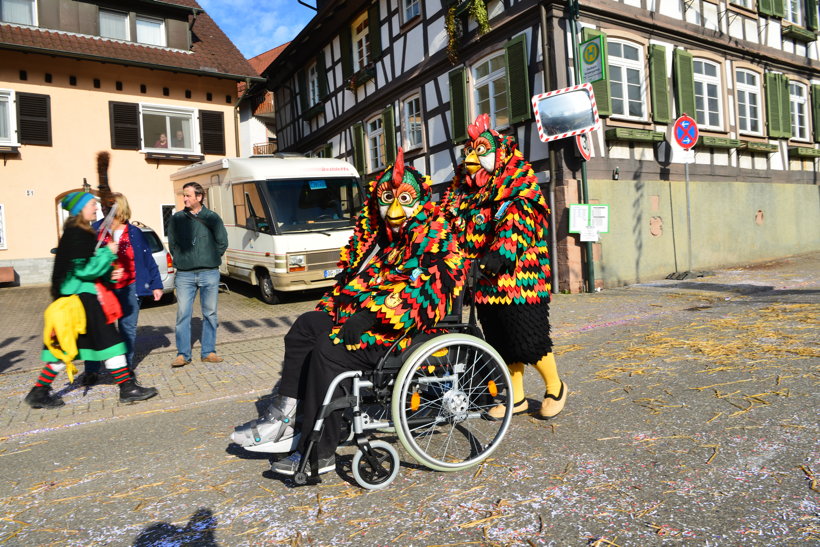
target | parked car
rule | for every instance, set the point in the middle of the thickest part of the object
(161, 256)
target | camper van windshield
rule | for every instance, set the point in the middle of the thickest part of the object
(314, 204)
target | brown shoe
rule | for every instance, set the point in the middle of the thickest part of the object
(552, 405)
(180, 361)
(212, 358)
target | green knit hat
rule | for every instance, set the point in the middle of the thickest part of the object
(75, 201)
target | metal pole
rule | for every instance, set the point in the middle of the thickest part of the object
(546, 76)
(688, 215)
(574, 13)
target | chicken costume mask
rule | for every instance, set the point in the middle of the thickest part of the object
(501, 219)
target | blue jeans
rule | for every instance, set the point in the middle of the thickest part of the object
(130, 304)
(187, 284)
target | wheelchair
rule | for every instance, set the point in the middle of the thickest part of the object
(434, 396)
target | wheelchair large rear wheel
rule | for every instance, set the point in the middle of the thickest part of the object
(441, 397)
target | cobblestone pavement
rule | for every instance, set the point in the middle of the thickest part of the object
(692, 416)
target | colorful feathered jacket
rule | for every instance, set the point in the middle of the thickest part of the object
(508, 215)
(411, 281)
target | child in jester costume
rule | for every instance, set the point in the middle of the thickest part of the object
(501, 220)
(401, 272)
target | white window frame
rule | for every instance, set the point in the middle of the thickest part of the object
(410, 9)
(163, 38)
(8, 100)
(746, 89)
(127, 36)
(4, 244)
(375, 143)
(312, 79)
(746, 4)
(799, 107)
(705, 81)
(406, 123)
(793, 12)
(489, 80)
(625, 65)
(360, 32)
(166, 110)
(32, 14)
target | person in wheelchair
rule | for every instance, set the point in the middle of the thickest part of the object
(402, 270)
(501, 220)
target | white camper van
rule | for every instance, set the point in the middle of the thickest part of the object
(287, 217)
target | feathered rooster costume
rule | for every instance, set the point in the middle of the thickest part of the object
(501, 219)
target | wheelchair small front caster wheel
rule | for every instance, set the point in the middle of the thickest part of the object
(376, 474)
(300, 478)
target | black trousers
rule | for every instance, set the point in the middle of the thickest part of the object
(299, 342)
(327, 361)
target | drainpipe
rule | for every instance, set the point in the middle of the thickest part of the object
(553, 163)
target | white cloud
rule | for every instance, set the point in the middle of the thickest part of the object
(255, 27)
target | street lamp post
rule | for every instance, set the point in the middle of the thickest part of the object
(574, 12)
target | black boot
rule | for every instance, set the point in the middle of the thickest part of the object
(39, 397)
(130, 391)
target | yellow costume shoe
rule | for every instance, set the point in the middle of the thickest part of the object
(552, 404)
(497, 412)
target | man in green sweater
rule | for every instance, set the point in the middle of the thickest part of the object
(197, 238)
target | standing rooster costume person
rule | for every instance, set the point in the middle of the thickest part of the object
(501, 219)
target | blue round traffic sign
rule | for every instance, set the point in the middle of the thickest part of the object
(685, 131)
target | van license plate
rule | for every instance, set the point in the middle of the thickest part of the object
(332, 273)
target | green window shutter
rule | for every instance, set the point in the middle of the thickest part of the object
(125, 125)
(778, 120)
(458, 105)
(303, 92)
(359, 151)
(601, 87)
(815, 110)
(389, 125)
(346, 46)
(778, 8)
(321, 70)
(375, 31)
(785, 106)
(684, 70)
(811, 15)
(518, 79)
(659, 83)
(212, 132)
(765, 7)
(328, 150)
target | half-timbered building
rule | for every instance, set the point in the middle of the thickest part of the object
(366, 77)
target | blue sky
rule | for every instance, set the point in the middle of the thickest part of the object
(256, 26)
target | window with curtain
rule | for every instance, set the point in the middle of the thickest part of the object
(313, 85)
(411, 123)
(361, 41)
(748, 102)
(793, 12)
(708, 105)
(798, 106)
(375, 144)
(114, 24)
(151, 31)
(7, 120)
(627, 80)
(17, 11)
(490, 94)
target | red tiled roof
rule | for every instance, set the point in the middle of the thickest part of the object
(213, 53)
(263, 60)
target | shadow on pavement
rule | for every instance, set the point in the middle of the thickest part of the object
(720, 287)
(199, 531)
(10, 359)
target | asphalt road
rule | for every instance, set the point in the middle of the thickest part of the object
(694, 424)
